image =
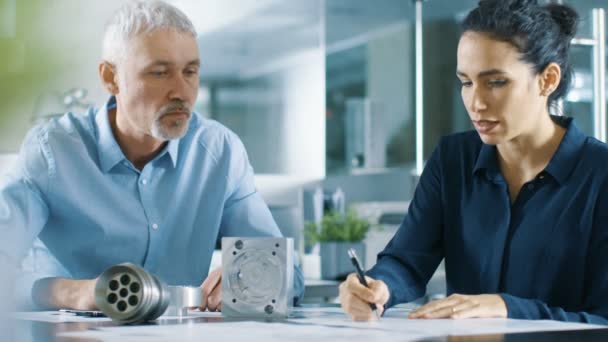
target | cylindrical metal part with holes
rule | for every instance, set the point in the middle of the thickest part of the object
(129, 295)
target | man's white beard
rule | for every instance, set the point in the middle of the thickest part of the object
(176, 131)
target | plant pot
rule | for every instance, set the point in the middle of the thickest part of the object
(335, 263)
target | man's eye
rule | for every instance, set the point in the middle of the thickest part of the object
(158, 73)
(191, 72)
(466, 83)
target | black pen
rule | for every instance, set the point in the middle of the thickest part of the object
(84, 313)
(361, 276)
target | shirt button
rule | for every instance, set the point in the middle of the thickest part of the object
(541, 177)
(144, 181)
(154, 226)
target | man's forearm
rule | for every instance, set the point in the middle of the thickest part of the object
(62, 293)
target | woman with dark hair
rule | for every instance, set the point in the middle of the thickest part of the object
(519, 207)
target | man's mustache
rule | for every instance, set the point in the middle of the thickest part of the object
(175, 106)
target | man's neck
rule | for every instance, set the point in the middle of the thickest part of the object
(138, 147)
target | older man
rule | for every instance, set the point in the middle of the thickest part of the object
(143, 179)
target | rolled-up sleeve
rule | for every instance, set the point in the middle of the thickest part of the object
(24, 211)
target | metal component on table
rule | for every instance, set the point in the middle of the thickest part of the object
(182, 298)
(257, 277)
(129, 295)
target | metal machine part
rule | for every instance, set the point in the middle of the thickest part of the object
(130, 295)
(257, 277)
(182, 298)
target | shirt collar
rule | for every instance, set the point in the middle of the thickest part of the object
(487, 161)
(561, 164)
(110, 152)
(569, 151)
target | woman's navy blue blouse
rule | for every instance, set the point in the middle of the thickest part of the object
(546, 253)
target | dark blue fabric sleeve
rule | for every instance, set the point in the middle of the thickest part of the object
(412, 256)
(522, 308)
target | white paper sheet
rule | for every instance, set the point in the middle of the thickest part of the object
(67, 317)
(322, 324)
(55, 317)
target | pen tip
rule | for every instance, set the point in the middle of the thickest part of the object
(351, 253)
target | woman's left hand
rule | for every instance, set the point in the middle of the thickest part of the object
(464, 306)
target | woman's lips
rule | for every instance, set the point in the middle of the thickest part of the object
(485, 126)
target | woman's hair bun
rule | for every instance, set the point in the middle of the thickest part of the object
(566, 18)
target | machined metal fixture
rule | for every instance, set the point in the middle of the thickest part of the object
(130, 295)
(182, 299)
(257, 277)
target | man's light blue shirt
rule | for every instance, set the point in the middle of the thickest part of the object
(74, 189)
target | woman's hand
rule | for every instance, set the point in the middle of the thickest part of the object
(356, 298)
(464, 306)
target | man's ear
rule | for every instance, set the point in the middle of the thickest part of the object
(550, 79)
(107, 73)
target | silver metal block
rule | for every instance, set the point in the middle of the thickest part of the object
(257, 277)
(183, 298)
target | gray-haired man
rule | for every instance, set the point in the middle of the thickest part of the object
(143, 179)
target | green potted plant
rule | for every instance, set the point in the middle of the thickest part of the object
(336, 234)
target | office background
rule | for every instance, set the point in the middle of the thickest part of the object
(322, 92)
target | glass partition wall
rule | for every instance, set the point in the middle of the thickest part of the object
(264, 75)
(586, 101)
(371, 84)
(324, 89)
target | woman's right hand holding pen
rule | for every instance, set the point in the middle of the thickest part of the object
(356, 298)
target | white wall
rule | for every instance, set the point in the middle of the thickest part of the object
(278, 111)
(390, 75)
(304, 113)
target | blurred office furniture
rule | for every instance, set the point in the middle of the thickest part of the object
(320, 291)
(334, 200)
(290, 205)
(386, 218)
(588, 93)
(284, 197)
(365, 134)
(54, 104)
(335, 263)
(313, 204)
(318, 201)
(287, 211)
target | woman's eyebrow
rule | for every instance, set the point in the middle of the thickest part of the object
(489, 72)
